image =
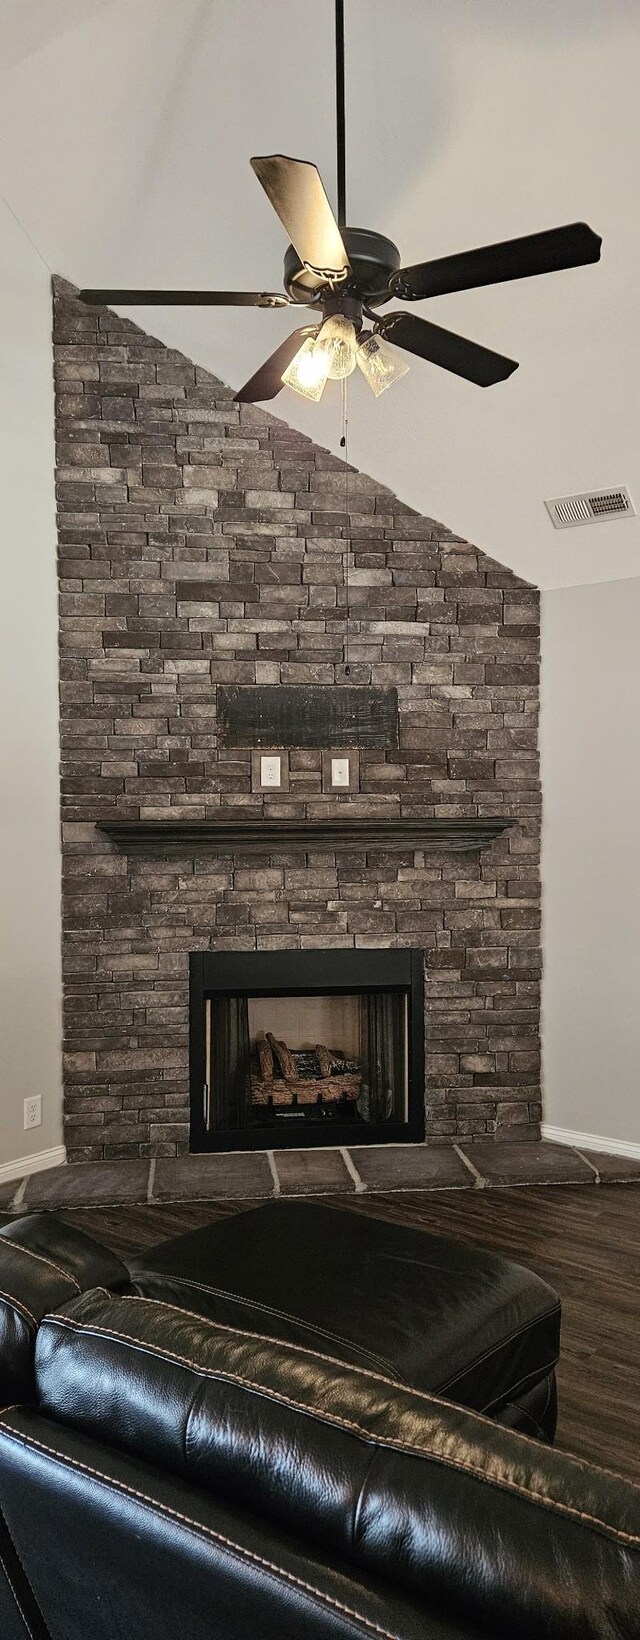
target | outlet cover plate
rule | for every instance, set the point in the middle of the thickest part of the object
(271, 771)
(264, 764)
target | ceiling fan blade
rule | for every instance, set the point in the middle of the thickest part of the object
(568, 247)
(267, 381)
(297, 193)
(183, 298)
(477, 364)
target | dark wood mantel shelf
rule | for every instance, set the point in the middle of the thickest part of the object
(227, 836)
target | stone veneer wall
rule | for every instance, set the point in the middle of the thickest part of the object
(200, 544)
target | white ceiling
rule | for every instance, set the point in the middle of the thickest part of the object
(126, 128)
(27, 25)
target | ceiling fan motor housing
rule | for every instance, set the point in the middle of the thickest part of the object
(373, 260)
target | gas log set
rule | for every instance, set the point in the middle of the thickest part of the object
(282, 1077)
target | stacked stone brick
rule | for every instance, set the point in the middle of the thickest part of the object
(202, 543)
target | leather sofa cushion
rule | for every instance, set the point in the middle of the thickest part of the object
(440, 1500)
(427, 1311)
(43, 1262)
(117, 1550)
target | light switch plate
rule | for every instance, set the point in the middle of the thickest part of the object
(270, 771)
(340, 771)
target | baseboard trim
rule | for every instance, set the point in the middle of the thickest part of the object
(590, 1141)
(36, 1163)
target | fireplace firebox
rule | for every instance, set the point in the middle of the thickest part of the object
(299, 1048)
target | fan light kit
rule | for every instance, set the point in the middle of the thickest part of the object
(332, 353)
(346, 274)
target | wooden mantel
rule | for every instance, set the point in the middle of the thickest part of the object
(262, 835)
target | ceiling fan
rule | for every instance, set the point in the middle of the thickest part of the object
(344, 274)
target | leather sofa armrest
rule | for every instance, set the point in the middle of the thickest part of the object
(43, 1263)
(474, 1519)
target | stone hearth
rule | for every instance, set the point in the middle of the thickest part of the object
(388, 1168)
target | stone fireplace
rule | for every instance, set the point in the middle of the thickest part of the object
(200, 551)
(298, 1048)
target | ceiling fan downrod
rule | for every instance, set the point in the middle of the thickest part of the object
(340, 117)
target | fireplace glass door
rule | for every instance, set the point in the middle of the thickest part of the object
(292, 1066)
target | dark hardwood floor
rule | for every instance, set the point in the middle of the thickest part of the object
(586, 1242)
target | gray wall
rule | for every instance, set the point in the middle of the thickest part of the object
(590, 742)
(30, 985)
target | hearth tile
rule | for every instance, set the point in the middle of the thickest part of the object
(411, 1167)
(312, 1172)
(613, 1169)
(213, 1178)
(541, 1163)
(88, 1184)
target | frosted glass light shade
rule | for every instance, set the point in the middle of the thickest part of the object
(336, 344)
(381, 365)
(307, 373)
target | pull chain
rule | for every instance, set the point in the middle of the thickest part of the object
(344, 445)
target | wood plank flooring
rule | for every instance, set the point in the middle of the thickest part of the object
(585, 1242)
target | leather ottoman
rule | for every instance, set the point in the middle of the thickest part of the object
(423, 1311)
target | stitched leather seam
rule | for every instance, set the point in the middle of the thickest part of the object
(298, 1321)
(384, 1442)
(270, 1309)
(19, 1307)
(18, 1602)
(262, 1338)
(198, 1527)
(495, 1348)
(16, 1245)
(134, 1298)
(364, 1372)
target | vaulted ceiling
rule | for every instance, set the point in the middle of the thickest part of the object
(126, 128)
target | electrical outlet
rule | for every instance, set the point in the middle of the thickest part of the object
(270, 771)
(33, 1111)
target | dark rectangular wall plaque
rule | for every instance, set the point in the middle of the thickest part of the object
(290, 715)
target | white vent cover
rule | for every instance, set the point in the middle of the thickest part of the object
(568, 510)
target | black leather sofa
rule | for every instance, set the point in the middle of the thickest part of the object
(294, 1424)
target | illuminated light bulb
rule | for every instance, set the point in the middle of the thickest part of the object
(307, 373)
(337, 345)
(381, 365)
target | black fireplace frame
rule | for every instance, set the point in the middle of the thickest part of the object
(306, 973)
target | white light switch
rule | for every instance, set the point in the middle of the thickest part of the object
(270, 771)
(339, 771)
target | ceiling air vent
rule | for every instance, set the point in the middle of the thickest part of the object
(568, 510)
